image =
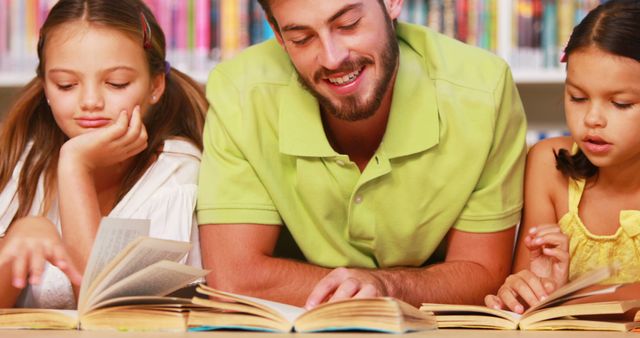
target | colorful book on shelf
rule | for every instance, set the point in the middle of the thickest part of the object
(223, 310)
(577, 305)
(124, 285)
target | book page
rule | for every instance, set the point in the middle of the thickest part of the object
(145, 252)
(587, 279)
(289, 312)
(114, 234)
(158, 279)
(285, 311)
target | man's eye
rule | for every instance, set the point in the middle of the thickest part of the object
(300, 42)
(577, 99)
(350, 26)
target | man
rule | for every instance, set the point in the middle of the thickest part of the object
(373, 143)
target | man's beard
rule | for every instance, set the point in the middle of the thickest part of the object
(352, 107)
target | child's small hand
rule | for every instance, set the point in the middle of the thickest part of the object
(548, 253)
(30, 243)
(520, 289)
(125, 138)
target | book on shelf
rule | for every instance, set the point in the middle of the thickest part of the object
(223, 310)
(124, 285)
(578, 305)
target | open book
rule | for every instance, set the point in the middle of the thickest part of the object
(574, 306)
(123, 285)
(225, 310)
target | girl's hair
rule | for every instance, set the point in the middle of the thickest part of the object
(179, 112)
(613, 27)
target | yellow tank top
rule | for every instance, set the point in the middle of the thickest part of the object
(589, 251)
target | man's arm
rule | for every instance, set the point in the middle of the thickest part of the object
(476, 264)
(240, 257)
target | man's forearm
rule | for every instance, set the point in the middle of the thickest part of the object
(277, 279)
(451, 282)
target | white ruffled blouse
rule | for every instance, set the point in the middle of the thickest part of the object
(165, 194)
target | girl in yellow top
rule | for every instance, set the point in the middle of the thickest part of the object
(582, 193)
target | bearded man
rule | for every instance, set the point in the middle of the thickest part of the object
(375, 143)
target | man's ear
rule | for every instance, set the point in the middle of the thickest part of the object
(394, 8)
(157, 88)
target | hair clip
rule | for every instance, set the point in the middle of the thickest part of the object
(146, 32)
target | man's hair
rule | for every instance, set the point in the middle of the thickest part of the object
(267, 11)
(266, 6)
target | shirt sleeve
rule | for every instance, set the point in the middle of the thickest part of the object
(497, 199)
(170, 211)
(230, 190)
(8, 203)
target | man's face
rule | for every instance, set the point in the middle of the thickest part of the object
(345, 52)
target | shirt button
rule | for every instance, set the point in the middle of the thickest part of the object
(358, 199)
(340, 162)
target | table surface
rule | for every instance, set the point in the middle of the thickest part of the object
(236, 334)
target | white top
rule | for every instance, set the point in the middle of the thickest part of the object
(165, 194)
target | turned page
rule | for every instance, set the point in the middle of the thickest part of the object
(140, 254)
(158, 279)
(114, 234)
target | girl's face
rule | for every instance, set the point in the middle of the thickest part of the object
(602, 106)
(92, 73)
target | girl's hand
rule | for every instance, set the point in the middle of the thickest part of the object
(548, 270)
(29, 244)
(109, 145)
(549, 253)
(524, 285)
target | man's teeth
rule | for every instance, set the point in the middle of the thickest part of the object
(344, 79)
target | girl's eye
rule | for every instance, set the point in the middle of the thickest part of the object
(65, 87)
(577, 99)
(622, 105)
(118, 85)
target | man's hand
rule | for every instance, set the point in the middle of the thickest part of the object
(343, 283)
(30, 243)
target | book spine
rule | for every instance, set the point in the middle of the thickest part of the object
(202, 30)
(4, 33)
(462, 20)
(549, 39)
(214, 26)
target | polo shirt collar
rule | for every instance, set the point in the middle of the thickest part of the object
(413, 124)
(301, 129)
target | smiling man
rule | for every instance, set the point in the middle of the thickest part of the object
(373, 142)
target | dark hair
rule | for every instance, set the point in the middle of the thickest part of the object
(265, 4)
(613, 27)
(179, 112)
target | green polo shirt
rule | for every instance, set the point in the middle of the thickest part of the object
(452, 155)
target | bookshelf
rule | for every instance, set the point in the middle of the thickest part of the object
(528, 34)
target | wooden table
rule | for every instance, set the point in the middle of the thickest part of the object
(228, 334)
